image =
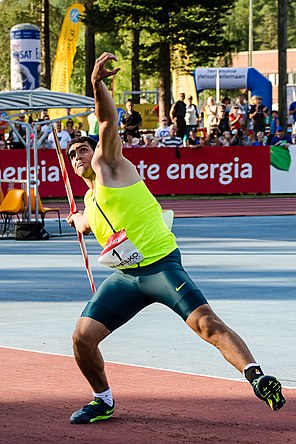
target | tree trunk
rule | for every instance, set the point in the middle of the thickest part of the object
(164, 81)
(135, 58)
(45, 45)
(282, 60)
(90, 51)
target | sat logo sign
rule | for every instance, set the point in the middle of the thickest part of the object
(74, 15)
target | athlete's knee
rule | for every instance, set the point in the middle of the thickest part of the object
(82, 342)
(88, 334)
(206, 323)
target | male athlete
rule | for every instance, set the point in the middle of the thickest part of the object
(127, 221)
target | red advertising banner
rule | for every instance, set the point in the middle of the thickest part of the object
(205, 170)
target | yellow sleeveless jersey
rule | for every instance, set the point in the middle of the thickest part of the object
(136, 210)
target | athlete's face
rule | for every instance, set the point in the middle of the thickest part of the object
(80, 155)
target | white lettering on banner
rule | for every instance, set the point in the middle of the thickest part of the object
(152, 170)
(226, 172)
(50, 174)
(206, 78)
(172, 171)
(31, 53)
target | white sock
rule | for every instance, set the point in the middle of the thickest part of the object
(252, 364)
(106, 396)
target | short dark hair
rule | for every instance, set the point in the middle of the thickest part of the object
(81, 139)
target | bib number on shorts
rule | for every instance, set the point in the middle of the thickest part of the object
(120, 252)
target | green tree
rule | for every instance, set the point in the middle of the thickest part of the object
(264, 25)
(164, 27)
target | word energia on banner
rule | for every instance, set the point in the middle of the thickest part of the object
(225, 173)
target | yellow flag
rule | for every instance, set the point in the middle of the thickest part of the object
(66, 49)
(183, 81)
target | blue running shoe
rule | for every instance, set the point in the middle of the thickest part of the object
(269, 389)
(96, 410)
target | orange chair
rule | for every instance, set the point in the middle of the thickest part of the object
(12, 205)
(43, 210)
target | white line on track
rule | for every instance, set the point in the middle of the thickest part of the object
(135, 365)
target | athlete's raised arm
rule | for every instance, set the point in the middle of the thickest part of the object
(110, 145)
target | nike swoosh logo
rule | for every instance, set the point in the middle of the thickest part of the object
(179, 288)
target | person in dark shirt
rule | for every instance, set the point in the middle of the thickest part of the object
(281, 138)
(193, 141)
(131, 121)
(177, 115)
(223, 120)
(258, 114)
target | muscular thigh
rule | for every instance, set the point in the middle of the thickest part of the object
(174, 288)
(116, 301)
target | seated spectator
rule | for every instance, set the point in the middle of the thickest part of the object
(3, 125)
(131, 141)
(292, 111)
(63, 136)
(149, 140)
(280, 138)
(79, 127)
(22, 119)
(226, 138)
(259, 139)
(13, 139)
(236, 137)
(193, 141)
(246, 141)
(45, 118)
(3, 145)
(235, 117)
(163, 130)
(213, 137)
(172, 140)
(294, 134)
(70, 128)
(223, 120)
(38, 133)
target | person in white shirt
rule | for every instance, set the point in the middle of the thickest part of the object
(191, 116)
(163, 130)
(63, 136)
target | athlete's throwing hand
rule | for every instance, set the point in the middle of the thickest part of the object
(100, 72)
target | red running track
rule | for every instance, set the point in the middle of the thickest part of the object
(251, 206)
(40, 391)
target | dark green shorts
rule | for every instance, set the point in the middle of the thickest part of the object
(123, 294)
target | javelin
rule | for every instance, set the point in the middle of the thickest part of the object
(73, 209)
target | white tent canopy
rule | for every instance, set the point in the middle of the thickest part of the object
(37, 100)
(42, 98)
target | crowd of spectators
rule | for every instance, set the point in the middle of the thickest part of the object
(229, 123)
